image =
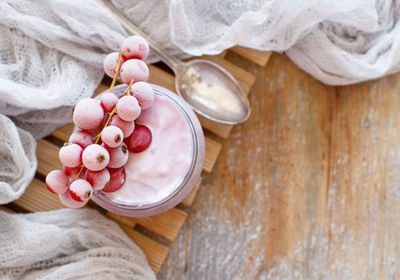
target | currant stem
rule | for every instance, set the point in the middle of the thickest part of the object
(116, 71)
(113, 112)
(79, 173)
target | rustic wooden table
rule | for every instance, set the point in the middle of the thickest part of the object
(308, 188)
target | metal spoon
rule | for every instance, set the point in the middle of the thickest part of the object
(209, 88)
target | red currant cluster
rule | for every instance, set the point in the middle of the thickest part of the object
(95, 155)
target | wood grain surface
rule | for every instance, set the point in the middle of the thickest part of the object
(308, 188)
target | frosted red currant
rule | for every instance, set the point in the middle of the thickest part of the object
(82, 138)
(57, 181)
(95, 157)
(112, 136)
(72, 172)
(135, 70)
(128, 108)
(97, 130)
(144, 94)
(68, 201)
(140, 139)
(118, 156)
(80, 190)
(88, 114)
(126, 127)
(108, 101)
(135, 47)
(110, 63)
(98, 179)
(117, 179)
(71, 154)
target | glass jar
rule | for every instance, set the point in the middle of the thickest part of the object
(167, 195)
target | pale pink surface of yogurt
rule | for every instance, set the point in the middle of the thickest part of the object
(156, 172)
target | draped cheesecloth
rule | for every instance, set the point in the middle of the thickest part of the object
(51, 52)
(68, 244)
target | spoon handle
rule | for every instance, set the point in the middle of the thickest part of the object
(171, 61)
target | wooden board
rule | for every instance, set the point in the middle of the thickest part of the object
(153, 234)
(259, 57)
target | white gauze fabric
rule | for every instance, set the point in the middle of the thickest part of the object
(338, 42)
(68, 244)
(17, 158)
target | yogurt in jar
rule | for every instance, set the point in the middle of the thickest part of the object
(162, 175)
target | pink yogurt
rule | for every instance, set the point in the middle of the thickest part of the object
(164, 174)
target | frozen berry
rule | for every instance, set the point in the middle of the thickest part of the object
(68, 201)
(82, 138)
(71, 154)
(144, 94)
(97, 130)
(110, 63)
(117, 179)
(112, 136)
(135, 47)
(135, 70)
(72, 172)
(128, 108)
(98, 179)
(88, 114)
(57, 181)
(126, 127)
(140, 139)
(80, 190)
(118, 156)
(108, 101)
(95, 157)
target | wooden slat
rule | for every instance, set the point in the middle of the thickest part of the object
(100, 89)
(126, 221)
(38, 198)
(46, 158)
(161, 78)
(63, 133)
(245, 79)
(223, 53)
(212, 151)
(47, 154)
(259, 57)
(166, 224)
(5, 209)
(188, 201)
(219, 129)
(155, 251)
